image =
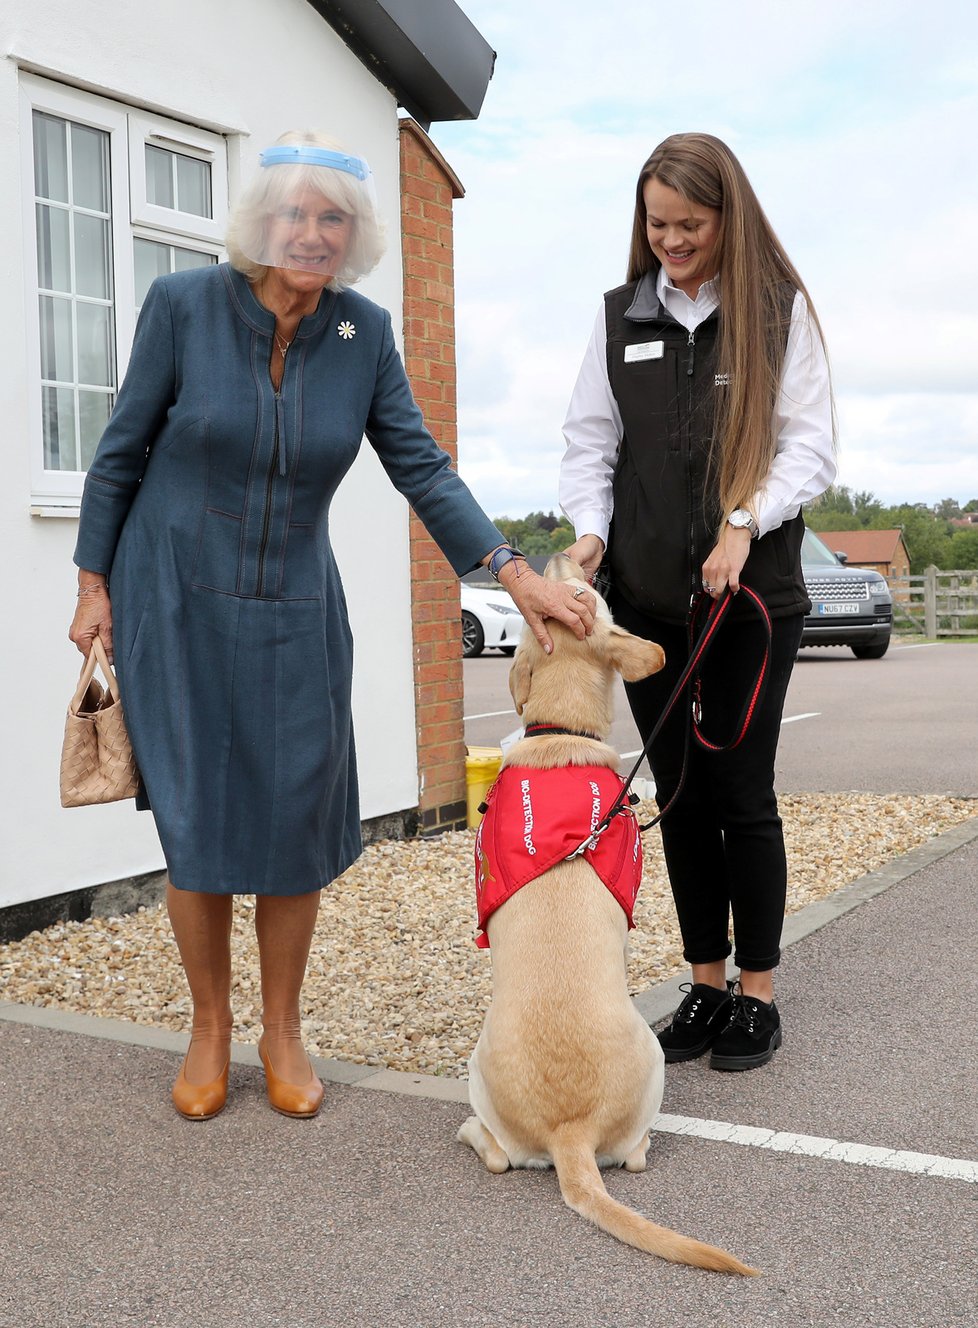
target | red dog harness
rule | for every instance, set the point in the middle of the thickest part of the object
(537, 818)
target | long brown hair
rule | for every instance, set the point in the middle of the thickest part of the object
(757, 285)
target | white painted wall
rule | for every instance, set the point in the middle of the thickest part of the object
(249, 68)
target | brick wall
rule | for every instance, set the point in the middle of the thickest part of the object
(428, 188)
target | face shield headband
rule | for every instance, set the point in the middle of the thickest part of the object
(307, 154)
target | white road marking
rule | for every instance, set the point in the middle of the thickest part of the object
(832, 1150)
(490, 714)
(787, 719)
(921, 645)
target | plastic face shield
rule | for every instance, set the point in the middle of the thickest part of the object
(314, 210)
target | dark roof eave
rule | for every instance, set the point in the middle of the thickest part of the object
(431, 56)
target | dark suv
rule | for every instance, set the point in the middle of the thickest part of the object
(850, 605)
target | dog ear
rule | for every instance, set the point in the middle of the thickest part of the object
(519, 679)
(633, 656)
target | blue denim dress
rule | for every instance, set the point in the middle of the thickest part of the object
(207, 506)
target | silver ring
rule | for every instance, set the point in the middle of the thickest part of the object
(578, 592)
(707, 587)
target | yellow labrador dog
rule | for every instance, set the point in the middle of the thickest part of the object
(566, 1072)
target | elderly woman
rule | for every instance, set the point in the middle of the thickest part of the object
(204, 548)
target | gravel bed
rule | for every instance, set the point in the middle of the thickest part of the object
(395, 978)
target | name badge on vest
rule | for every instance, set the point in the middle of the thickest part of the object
(647, 350)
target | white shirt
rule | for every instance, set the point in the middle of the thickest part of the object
(804, 465)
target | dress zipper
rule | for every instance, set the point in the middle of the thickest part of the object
(278, 453)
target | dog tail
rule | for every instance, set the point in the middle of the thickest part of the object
(583, 1189)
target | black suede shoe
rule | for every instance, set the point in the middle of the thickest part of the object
(751, 1037)
(698, 1021)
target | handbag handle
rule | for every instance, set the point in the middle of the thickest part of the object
(97, 656)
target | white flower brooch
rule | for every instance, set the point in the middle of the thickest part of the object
(347, 331)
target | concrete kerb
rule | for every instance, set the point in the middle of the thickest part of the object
(654, 1005)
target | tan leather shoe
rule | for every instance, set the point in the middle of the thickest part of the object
(301, 1101)
(200, 1101)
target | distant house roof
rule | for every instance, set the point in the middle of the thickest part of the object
(864, 546)
(430, 54)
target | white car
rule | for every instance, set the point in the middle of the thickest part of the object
(490, 620)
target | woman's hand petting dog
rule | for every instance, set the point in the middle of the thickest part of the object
(587, 552)
(539, 598)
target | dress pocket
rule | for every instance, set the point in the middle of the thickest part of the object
(218, 554)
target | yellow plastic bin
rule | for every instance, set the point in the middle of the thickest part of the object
(481, 768)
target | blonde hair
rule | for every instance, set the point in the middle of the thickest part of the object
(273, 186)
(757, 287)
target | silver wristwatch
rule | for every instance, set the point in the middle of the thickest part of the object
(741, 519)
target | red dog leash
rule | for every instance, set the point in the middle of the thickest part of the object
(717, 612)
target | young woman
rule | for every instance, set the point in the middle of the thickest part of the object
(700, 424)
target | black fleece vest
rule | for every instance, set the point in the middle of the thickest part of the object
(666, 508)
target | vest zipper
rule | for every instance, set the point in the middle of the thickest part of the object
(278, 455)
(690, 365)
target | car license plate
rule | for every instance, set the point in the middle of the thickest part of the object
(840, 608)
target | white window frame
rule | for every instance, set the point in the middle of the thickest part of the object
(157, 132)
(58, 492)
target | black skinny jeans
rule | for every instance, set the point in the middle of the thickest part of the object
(723, 842)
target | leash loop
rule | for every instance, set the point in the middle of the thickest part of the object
(690, 674)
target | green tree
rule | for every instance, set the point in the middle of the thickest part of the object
(927, 539)
(562, 537)
(515, 531)
(947, 509)
(837, 501)
(540, 533)
(543, 521)
(962, 551)
(819, 519)
(866, 507)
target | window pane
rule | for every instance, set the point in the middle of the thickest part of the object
(93, 416)
(90, 168)
(74, 258)
(57, 362)
(159, 177)
(94, 344)
(93, 257)
(156, 260)
(53, 249)
(152, 261)
(184, 259)
(194, 186)
(58, 416)
(50, 158)
(191, 191)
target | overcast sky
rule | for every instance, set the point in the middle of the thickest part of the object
(857, 123)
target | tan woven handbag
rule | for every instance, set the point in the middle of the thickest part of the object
(97, 764)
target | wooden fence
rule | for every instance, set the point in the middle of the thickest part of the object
(937, 604)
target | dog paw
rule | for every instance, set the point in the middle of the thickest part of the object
(481, 1140)
(635, 1161)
